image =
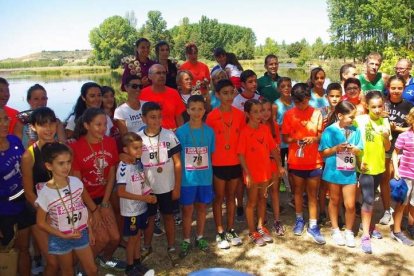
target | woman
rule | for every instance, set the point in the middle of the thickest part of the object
(199, 70)
(36, 97)
(184, 81)
(142, 51)
(162, 51)
(353, 95)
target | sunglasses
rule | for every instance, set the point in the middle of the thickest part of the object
(24, 116)
(135, 86)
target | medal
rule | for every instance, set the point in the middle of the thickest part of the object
(159, 170)
(227, 147)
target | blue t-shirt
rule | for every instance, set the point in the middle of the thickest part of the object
(320, 103)
(197, 145)
(408, 93)
(11, 177)
(214, 101)
(281, 110)
(332, 136)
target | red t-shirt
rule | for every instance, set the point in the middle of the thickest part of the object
(87, 160)
(299, 124)
(199, 71)
(227, 127)
(11, 113)
(170, 102)
(256, 145)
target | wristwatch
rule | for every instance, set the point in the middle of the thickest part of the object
(105, 204)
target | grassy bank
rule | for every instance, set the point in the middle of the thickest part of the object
(57, 71)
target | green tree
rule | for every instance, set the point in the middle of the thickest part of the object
(318, 48)
(270, 47)
(112, 40)
(155, 28)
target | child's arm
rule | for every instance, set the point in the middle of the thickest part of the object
(276, 156)
(27, 173)
(109, 185)
(124, 194)
(246, 170)
(60, 131)
(177, 173)
(42, 223)
(395, 163)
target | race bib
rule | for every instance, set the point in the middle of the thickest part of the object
(150, 155)
(64, 220)
(196, 158)
(345, 161)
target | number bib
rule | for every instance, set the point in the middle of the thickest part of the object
(80, 217)
(345, 161)
(150, 156)
(196, 159)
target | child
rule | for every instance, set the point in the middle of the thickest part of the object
(376, 134)
(318, 98)
(233, 69)
(134, 193)
(268, 121)
(255, 144)
(216, 76)
(301, 129)
(197, 145)
(340, 143)
(162, 164)
(62, 199)
(353, 95)
(406, 171)
(248, 80)
(226, 121)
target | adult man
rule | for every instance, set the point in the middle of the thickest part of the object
(372, 79)
(267, 85)
(402, 69)
(347, 71)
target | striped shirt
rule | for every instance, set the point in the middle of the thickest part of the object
(405, 142)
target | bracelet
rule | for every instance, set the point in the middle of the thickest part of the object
(105, 204)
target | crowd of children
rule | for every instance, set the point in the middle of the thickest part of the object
(123, 166)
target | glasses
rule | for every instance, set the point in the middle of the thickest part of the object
(400, 69)
(135, 86)
(160, 73)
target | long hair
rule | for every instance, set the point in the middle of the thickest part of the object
(343, 107)
(87, 117)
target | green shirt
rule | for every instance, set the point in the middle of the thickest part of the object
(377, 84)
(267, 87)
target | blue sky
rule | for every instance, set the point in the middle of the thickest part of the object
(29, 26)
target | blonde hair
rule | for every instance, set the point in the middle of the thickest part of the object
(410, 117)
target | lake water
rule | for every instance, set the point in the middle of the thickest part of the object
(63, 91)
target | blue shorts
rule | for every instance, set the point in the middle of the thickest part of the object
(307, 173)
(59, 246)
(133, 224)
(196, 194)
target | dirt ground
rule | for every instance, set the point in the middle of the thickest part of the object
(288, 255)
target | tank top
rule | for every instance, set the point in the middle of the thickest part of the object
(40, 173)
(281, 110)
(377, 84)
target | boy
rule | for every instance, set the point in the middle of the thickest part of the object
(248, 80)
(162, 164)
(197, 145)
(134, 193)
(226, 122)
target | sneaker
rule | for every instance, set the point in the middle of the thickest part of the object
(113, 264)
(349, 239)
(173, 256)
(157, 230)
(410, 231)
(184, 249)
(299, 227)
(222, 243)
(257, 239)
(282, 186)
(386, 218)
(239, 214)
(401, 238)
(265, 234)
(145, 252)
(338, 237)
(315, 233)
(322, 219)
(366, 244)
(278, 228)
(37, 266)
(177, 219)
(373, 232)
(233, 238)
(201, 244)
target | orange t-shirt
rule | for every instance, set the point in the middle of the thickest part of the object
(277, 141)
(227, 127)
(199, 70)
(12, 114)
(256, 145)
(299, 124)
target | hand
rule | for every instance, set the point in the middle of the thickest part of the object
(364, 167)
(393, 126)
(385, 133)
(308, 140)
(248, 181)
(152, 199)
(145, 81)
(175, 194)
(342, 147)
(282, 171)
(396, 175)
(74, 235)
(97, 220)
(106, 214)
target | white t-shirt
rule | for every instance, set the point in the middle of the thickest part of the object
(157, 155)
(132, 117)
(49, 200)
(133, 177)
(233, 71)
(70, 124)
(239, 101)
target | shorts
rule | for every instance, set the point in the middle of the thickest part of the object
(26, 218)
(196, 194)
(227, 172)
(410, 193)
(388, 153)
(307, 173)
(59, 246)
(284, 155)
(135, 223)
(164, 203)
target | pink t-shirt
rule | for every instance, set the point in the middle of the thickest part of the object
(405, 142)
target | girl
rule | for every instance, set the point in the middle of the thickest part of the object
(353, 95)
(109, 105)
(91, 96)
(233, 69)
(301, 130)
(267, 119)
(216, 76)
(162, 51)
(406, 171)
(376, 134)
(62, 199)
(255, 142)
(36, 97)
(13, 206)
(340, 144)
(318, 98)
(94, 158)
(397, 110)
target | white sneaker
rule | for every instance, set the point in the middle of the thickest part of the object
(349, 238)
(338, 237)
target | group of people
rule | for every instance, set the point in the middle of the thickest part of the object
(105, 176)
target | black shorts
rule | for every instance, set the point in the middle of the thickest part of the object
(23, 220)
(307, 173)
(164, 202)
(135, 223)
(227, 172)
